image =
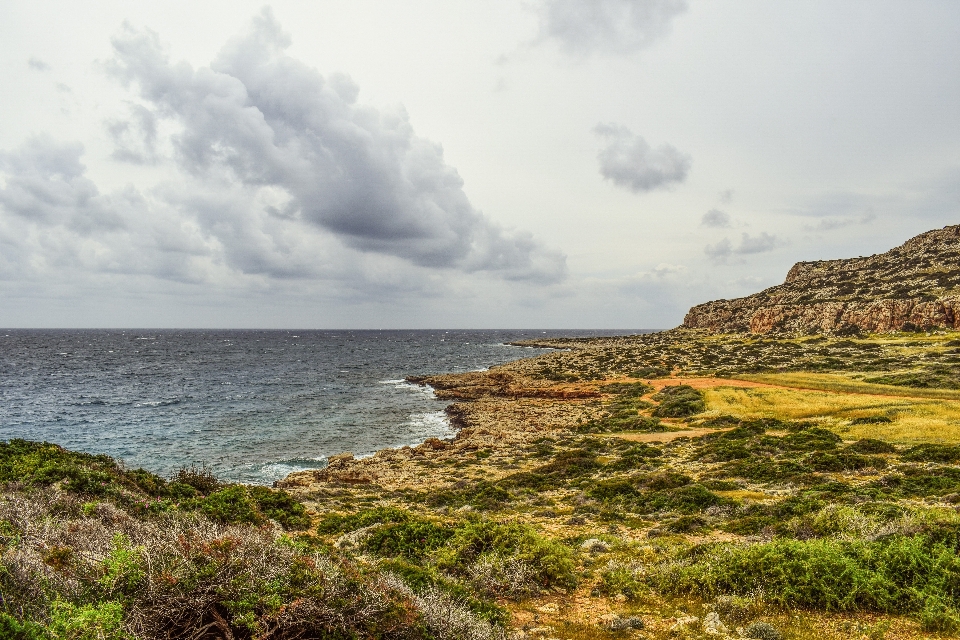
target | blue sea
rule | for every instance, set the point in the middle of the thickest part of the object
(252, 406)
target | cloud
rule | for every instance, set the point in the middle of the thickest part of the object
(37, 64)
(134, 140)
(263, 124)
(724, 249)
(629, 162)
(583, 27)
(717, 219)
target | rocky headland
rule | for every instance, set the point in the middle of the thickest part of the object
(916, 285)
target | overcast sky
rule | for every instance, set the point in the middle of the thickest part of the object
(447, 164)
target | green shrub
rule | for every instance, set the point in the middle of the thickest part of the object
(871, 420)
(810, 439)
(842, 461)
(102, 621)
(199, 478)
(340, 523)
(932, 453)
(231, 505)
(894, 575)
(627, 389)
(869, 445)
(679, 401)
(412, 540)
(688, 499)
(482, 495)
(551, 562)
(280, 506)
(13, 629)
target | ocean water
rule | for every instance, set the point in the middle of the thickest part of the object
(251, 405)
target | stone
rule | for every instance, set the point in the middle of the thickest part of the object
(593, 545)
(712, 625)
(914, 286)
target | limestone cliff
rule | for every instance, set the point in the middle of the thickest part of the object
(916, 285)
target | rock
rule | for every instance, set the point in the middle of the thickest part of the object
(914, 286)
(684, 621)
(712, 625)
(593, 545)
(339, 459)
(540, 631)
(615, 622)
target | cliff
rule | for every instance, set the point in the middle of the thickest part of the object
(914, 286)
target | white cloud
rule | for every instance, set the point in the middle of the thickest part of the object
(716, 218)
(723, 250)
(582, 27)
(629, 162)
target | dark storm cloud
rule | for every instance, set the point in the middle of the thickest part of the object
(629, 162)
(724, 249)
(716, 218)
(260, 121)
(616, 26)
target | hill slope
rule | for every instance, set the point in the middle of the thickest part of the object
(916, 285)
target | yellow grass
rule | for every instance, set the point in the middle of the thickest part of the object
(846, 384)
(914, 419)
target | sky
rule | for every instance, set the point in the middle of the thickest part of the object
(425, 164)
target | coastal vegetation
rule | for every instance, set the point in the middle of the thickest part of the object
(781, 504)
(798, 481)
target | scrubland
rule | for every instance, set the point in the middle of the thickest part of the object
(673, 485)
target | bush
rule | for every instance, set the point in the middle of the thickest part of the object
(932, 453)
(13, 629)
(871, 420)
(340, 523)
(200, 478)
(679, 401)
(551, 562)
(899, 574)
(869, 445)
(412, 540)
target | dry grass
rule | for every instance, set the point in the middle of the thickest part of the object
(914, 420)
(845, 383)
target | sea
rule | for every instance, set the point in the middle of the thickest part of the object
(251, 406)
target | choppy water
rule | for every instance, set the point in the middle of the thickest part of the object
(252, 405)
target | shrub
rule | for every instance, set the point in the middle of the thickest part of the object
(280, 506)
(762, 631)
(843, 461)
(552, 563)
(13, 629)
(232, 504)
(412, 540)
(340, 523)
(932, 453)
(482, 495)
(679, 401)
(869, 445)
(871, 420)
(894, 575)
(200, 478)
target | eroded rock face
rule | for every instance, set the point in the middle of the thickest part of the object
(916, 285)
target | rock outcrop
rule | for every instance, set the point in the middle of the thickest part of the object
(915, 286)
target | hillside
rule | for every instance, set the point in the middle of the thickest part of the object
(916, 285)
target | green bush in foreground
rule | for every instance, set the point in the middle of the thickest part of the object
(900, 574)
(36, 465)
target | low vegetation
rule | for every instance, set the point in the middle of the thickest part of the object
(807, 495)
